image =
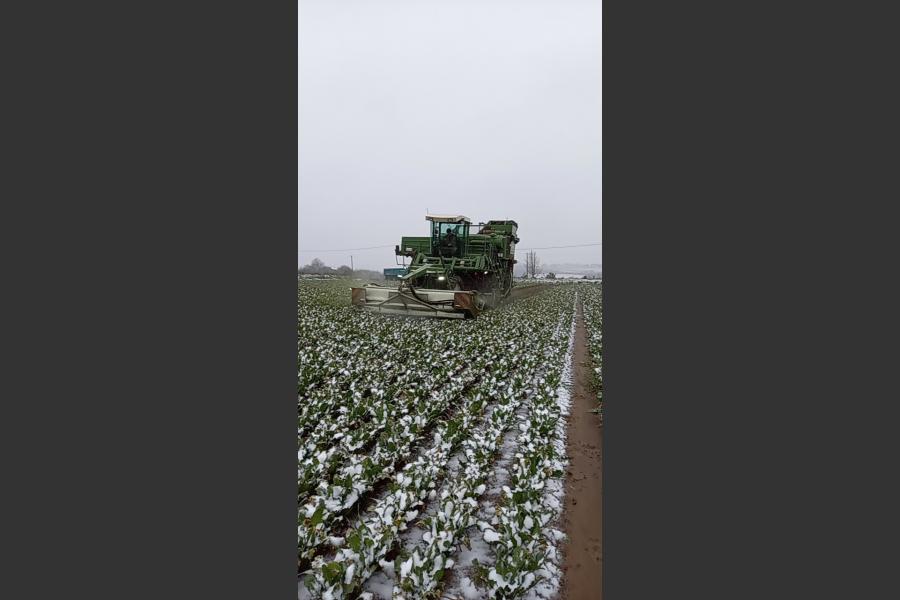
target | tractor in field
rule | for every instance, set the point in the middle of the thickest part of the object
(452, 274)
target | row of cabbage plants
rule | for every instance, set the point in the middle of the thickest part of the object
(396, 399)
(421, 571)
(520, 533)
(592, 302)
(386, 380)
(374, 535)
(408, 401)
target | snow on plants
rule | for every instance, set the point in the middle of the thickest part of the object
(592, 302)
(524, 550)
(386, 404)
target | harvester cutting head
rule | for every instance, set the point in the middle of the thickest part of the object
(453, 274)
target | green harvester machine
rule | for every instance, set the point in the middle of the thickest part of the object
(453, 274)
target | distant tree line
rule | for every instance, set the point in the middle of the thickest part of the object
(318, 267)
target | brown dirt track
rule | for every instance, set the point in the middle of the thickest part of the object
(582, 517)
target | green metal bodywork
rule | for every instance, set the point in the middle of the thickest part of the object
(453, 273)
(481, 261)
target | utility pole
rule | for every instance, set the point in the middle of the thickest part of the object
(351, 263)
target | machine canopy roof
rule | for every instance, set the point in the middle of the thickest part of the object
(447, 218)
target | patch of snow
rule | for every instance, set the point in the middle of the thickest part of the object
(406, 567)
(468, 591)
(302, 591)
(380, 585)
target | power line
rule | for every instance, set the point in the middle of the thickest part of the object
(343, 250)
(391, 246)
(571, 246)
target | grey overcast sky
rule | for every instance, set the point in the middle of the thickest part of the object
(486, 108)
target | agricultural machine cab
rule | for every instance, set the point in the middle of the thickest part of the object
(449, 238)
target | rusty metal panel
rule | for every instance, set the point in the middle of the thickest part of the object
(357, 296)
(465, 301)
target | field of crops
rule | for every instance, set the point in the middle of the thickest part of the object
(592, 301)
(431, 453)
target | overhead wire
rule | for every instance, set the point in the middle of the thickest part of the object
(391, 246)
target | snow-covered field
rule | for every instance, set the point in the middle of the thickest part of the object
(431, 453)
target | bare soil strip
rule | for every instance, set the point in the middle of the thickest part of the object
(582, 517)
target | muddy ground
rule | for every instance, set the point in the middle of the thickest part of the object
(582, 516)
